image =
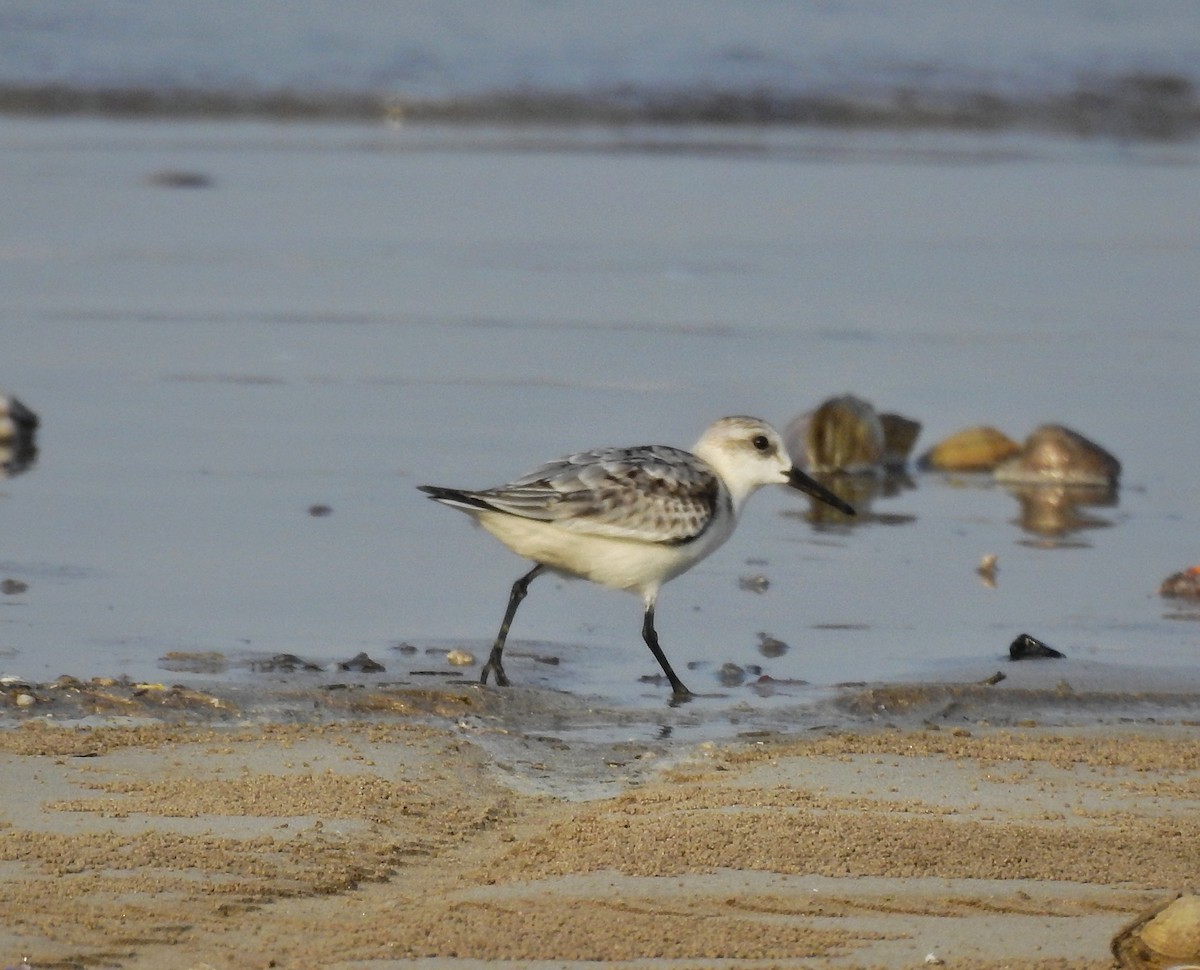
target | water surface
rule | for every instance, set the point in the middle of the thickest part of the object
(348, 311)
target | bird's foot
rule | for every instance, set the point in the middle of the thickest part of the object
(491, 667)
(680, 694)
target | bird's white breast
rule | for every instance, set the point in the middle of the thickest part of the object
(618, 563)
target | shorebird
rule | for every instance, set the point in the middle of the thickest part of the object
(631, 518)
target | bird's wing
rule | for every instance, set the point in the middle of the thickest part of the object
(649, 494)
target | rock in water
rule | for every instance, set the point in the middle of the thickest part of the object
(1057, 455)
(977, 449)
(1026, 647)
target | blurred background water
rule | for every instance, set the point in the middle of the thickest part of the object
(1064, 65)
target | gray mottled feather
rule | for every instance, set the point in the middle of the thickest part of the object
(651, 494)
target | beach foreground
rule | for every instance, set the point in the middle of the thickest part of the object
(420, 828)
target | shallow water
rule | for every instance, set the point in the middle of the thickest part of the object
(348, 311)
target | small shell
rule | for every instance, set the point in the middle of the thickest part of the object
(977, 449)
(757, 583)
(731, 675)
(1185, 583)
(769, 646)
(987, 569)
(1164, 937)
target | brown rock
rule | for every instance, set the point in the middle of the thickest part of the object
(899, 437)
(844, 434)
(1185, 583)
(1057, 455)
(1164, 937)
(977, 449)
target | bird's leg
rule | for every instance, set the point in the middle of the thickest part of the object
(651, 637)
(519, 589)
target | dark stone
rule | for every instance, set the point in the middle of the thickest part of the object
(1026, 647)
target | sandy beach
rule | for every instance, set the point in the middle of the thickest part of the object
(427, 828)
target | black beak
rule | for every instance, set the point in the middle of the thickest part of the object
(797, 479)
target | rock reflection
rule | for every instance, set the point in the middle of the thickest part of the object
(861, 491)
(1054, 512)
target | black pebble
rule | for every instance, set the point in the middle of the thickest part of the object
(1026, 647)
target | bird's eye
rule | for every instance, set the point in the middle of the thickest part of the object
(761, 442)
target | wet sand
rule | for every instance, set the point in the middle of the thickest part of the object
(417, 827)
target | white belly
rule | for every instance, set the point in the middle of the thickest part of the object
(640, 567)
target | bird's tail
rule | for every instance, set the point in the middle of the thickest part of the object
(456, 498)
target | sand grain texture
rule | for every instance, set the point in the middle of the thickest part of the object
(361, 844)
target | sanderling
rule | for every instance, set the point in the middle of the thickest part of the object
(631, 518)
